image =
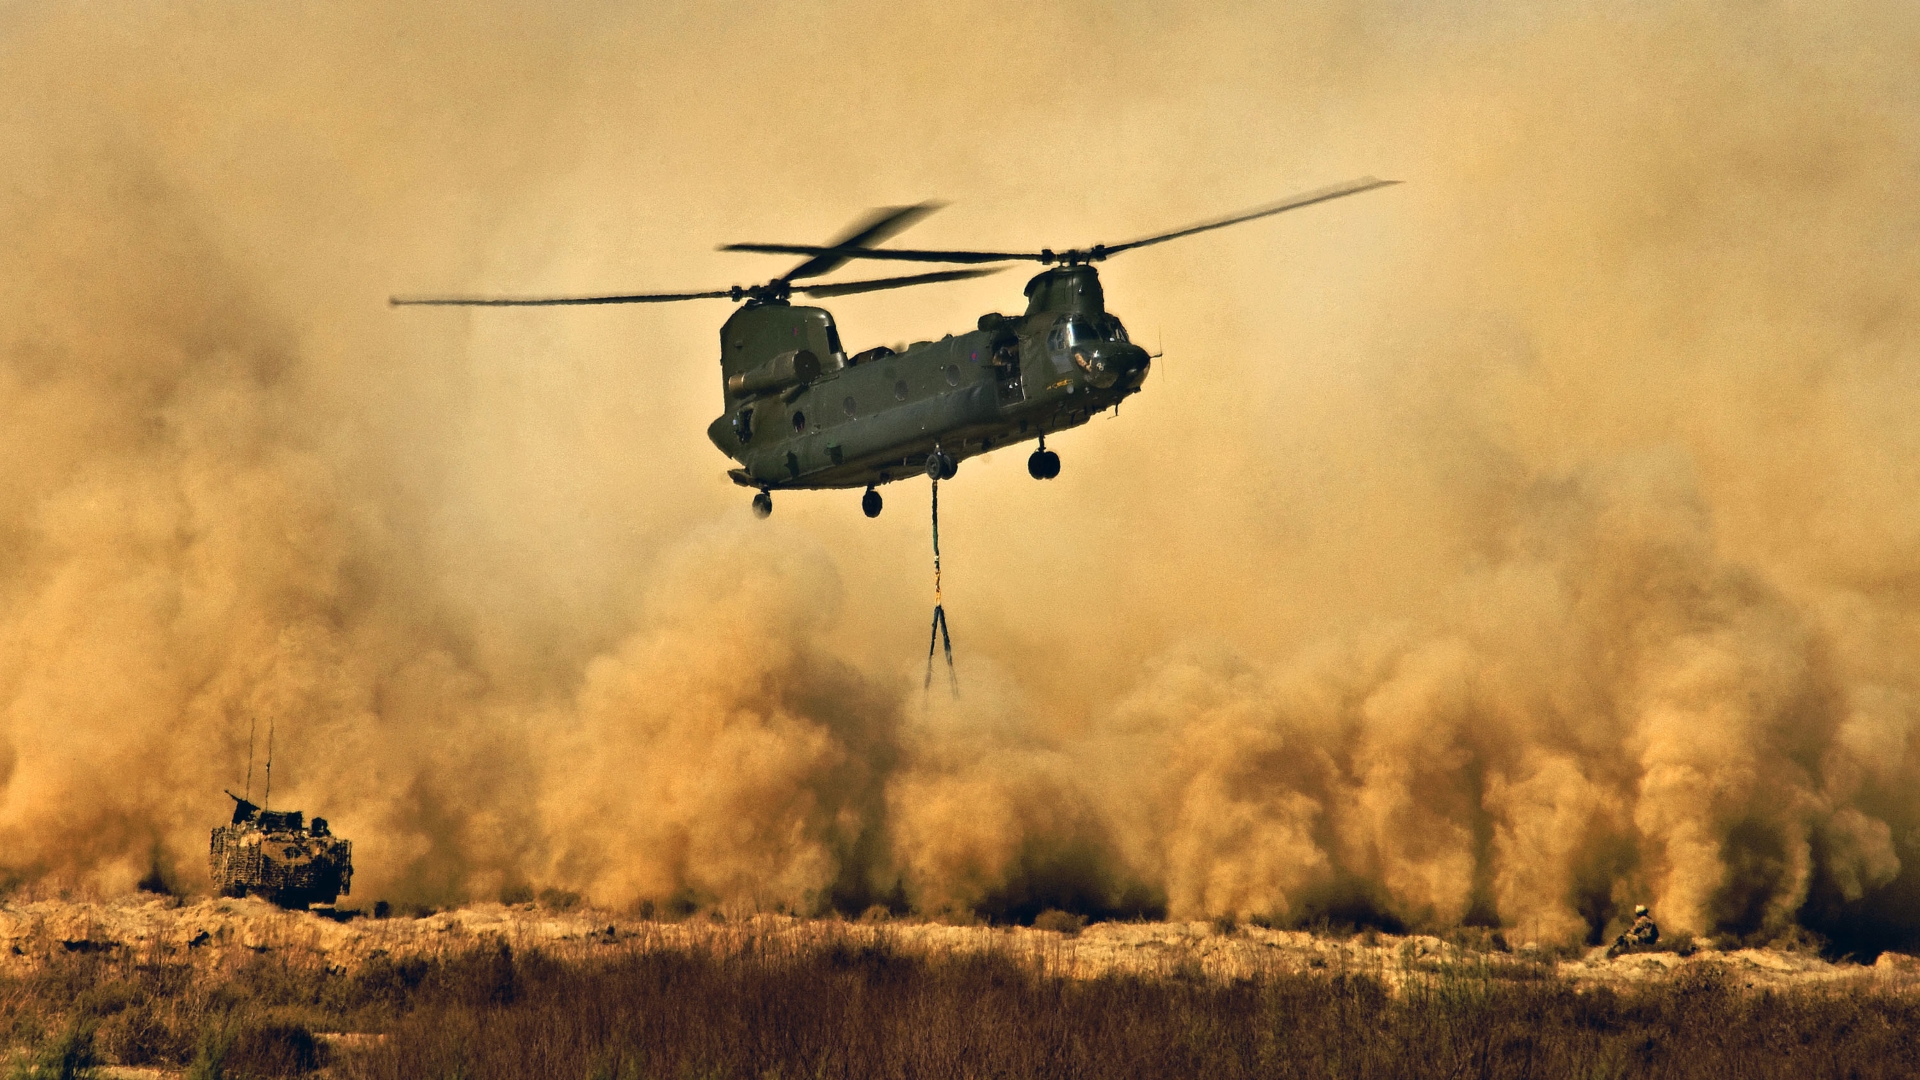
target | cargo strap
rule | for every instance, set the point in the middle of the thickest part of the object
(938, 634)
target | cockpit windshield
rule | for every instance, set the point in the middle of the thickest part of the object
(1081, 330)
(1069, 332)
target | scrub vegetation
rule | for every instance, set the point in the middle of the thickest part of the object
(834, 1003)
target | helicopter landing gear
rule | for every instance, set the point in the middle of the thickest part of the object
(941, 466)
(1044, 464)
(762, 505)
(870, 503)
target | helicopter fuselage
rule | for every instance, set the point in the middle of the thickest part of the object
(801, 413)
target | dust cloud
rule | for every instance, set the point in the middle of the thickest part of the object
(1512, 546)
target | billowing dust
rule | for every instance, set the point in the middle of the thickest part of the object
(1512, 546)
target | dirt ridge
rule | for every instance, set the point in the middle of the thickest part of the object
(223, 932)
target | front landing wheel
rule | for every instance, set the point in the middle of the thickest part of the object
(1043, 465)
(870, 503)
(762, 505)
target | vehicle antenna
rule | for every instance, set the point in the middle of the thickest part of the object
(267, 799)
(253, 728)
(939, 630)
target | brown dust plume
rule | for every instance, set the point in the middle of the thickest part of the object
(1513, 546)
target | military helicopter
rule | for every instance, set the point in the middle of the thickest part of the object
(801, 413)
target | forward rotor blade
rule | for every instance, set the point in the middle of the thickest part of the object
(873, 229)
(848, 288)
(553, 301)
(844, 253)
(1337, 191)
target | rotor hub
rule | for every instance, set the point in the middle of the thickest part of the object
(777, 291)
(1074, 256)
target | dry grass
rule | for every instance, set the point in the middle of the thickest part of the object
(870, 1010)
(778, 998)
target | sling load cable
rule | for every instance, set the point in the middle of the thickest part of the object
(938, 632)
(267, 799)
(253, 728)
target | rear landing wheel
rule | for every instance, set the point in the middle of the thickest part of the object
(762, 505)
(1043, 465)
(870, 503)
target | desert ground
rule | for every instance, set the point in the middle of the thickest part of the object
(162, 986)
(219, 933)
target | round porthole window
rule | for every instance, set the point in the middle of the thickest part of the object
(848, 405)
(799, 422)
(953, 375)
(900, 390)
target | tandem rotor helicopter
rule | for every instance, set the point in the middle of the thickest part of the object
(802, 414)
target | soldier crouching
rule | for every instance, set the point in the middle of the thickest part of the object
(1643, 935)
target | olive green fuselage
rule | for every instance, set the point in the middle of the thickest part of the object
(801, 413)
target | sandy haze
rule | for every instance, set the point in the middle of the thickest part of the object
(1524, 542)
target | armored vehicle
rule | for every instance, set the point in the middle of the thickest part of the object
(272, 854)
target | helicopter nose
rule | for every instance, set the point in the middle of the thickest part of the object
(1109, 362)
(1132, 362)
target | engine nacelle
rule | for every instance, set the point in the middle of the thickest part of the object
(795, 367)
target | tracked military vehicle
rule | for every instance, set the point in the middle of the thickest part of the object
(275, 855)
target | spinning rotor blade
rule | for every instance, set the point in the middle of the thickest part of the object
(771, 292)
(555, 301)
(848, 288)
(1076, 255)
(901, 254)
(876, 227)
(1351, 187)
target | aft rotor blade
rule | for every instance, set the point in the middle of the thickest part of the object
(1337, 191)
(844, 253)
(554, 301)
(874, 228)
(1070, 255)
(847, 288)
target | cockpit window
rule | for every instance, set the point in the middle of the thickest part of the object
(1080, 330)
(1070, 331)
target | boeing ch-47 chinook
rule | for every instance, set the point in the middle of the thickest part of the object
(801, 413)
